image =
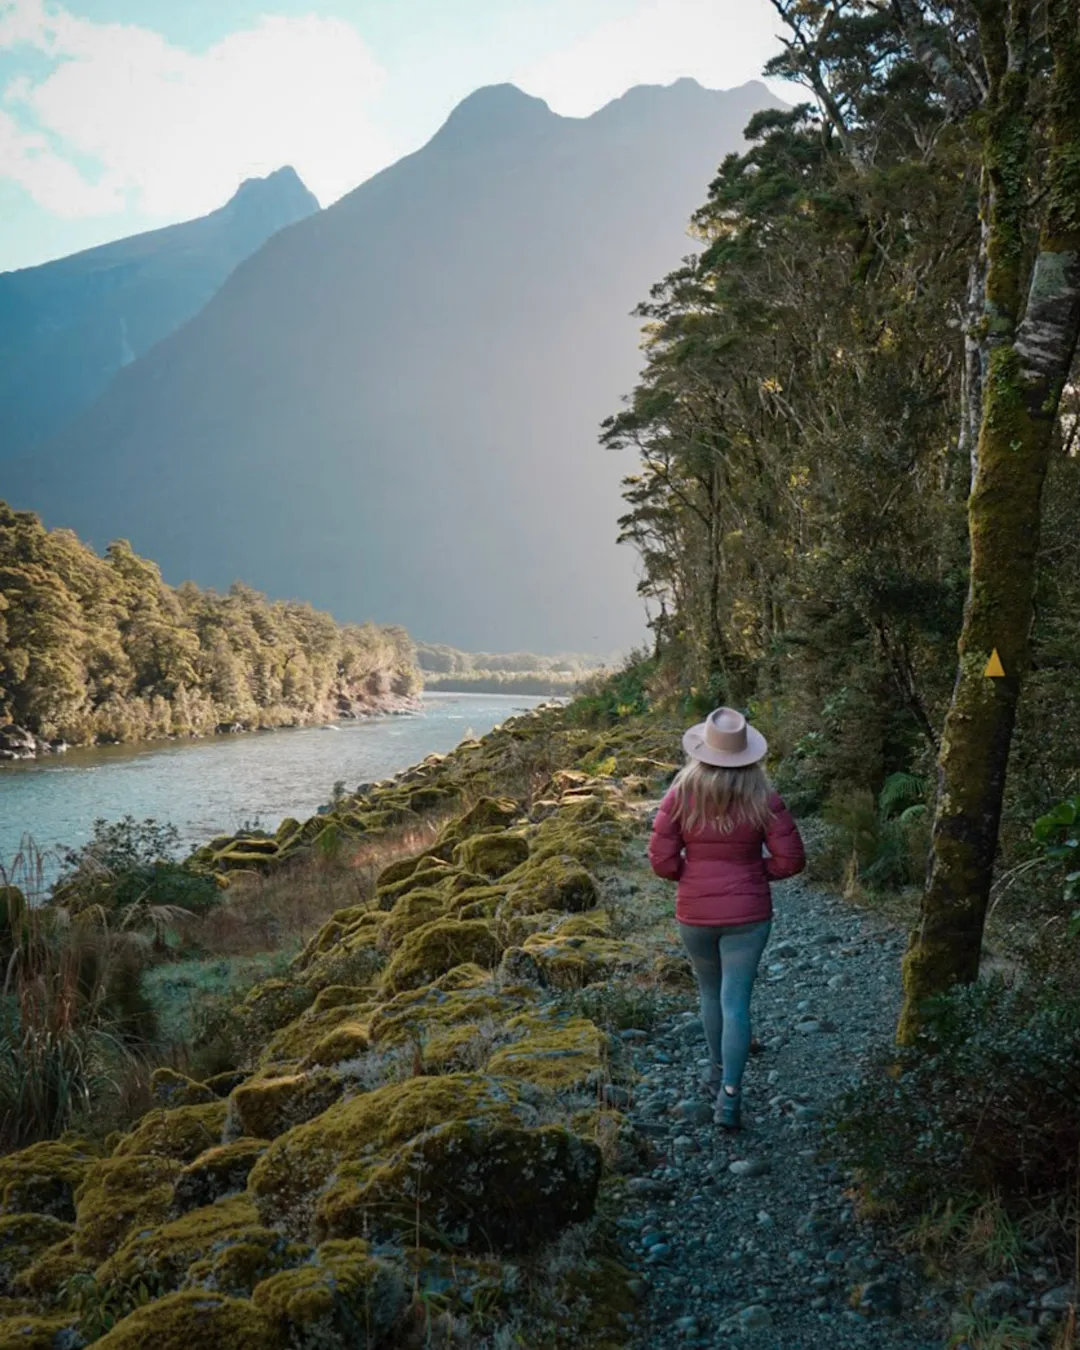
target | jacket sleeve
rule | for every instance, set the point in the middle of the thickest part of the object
(666, 843)
(784, 843)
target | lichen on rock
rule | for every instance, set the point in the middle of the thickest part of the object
(23, 1238)
(267, 1105)
(464, 1151)
(118, 1194)
(181, 1133)
(42, 1178)
(219, 1171)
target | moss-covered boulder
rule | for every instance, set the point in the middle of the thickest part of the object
(573, 962)
(43, 1178)
(194, 1319)
(553, 883)
(428, 873)
(270, 1005)
(464, 1151)
(181, 1133)
(224, 1241)
(557, 1052)
(345, 1299)
(430, 951)
(119, 1194)
(219, 1171)
(176, 1089)
(347, 1041)
(412, 910)
(47, 1273)
(264, 1107)
(594, 923)
(340, 996)
(476, 902)
(23, 1238)
(492, 855)
(292, 1043)
(354, 958)
(29, 1330)
(396, 871)
(485, 816)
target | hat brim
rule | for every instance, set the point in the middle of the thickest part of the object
(695, 745)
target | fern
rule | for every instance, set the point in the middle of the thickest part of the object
(900, 790)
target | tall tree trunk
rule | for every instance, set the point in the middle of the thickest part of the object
(1027, 358)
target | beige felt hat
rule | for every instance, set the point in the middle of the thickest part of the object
(725, 739)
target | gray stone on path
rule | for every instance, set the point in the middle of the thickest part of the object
(748, 1167)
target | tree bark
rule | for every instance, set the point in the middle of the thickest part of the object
(1027, 354)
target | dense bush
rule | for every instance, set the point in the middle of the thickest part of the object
(880, 842)
(984, 1103)
(607, 698)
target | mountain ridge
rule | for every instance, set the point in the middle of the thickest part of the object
(391, 408)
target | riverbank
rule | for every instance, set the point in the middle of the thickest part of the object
(466, 1110)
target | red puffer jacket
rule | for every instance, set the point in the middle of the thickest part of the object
(723, 878)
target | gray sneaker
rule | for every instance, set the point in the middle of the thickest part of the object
(728, 1114)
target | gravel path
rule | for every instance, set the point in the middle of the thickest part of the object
(749, 1240)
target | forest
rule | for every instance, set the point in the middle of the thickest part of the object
(100, 650)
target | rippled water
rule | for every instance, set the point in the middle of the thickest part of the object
(213, 786)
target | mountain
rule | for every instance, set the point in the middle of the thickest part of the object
(392, 408)
(68, 326)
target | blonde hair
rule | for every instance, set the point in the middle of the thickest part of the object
(711, 795)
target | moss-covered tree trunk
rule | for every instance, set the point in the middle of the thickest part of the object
(1032, 317)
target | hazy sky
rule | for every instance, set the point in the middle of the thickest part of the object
(122, 115)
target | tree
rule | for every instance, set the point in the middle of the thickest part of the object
(1022, 73)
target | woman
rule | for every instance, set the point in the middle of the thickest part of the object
(707, 836)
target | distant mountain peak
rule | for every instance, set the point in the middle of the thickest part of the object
(497, 110)
(283, 185)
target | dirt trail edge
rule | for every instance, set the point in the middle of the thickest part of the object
(752, 1240)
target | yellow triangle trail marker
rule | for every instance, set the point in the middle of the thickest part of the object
(994, 669)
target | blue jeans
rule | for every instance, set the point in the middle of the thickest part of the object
(725, 961)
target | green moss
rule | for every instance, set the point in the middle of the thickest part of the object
(181, 1133)
(193, 1320)
(339, 996)
(486, 815)
(492, 855)
(207, 1242)
(460, 1150)
(118, 1194)
(443, 1020)
(396, 871)
(293, 1042)
(551, 883)
(42, 1179)
(591, 923)
(427, 873)
(270, 1005)
(412, 910)
(430, 951)
(348, 1040)
(219, 1171)
(23, 1238)
(44, 1277)
(286, 830)
(573, 962)
(345, 1299)
(557, 1052)
(30, 1331)
(477, 902)
(263, 1108)
(176, 1089)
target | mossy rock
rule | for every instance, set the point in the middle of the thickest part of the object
(590, 923)
(176, 1089)
(556, 1052)
(221, 1084)
(421, 799)
(428, 874)
(119, 1194)
(346, 1298)
(465, 1151)
(292, 1043)
(43, 1178)
(476, 902)
(246, 860)
(492, 855)
(219, 1171)
(486, 815)
(397, 871)
(286, 830)
(43, 1279)
(674, 972)
(347, 1041)
(429, 1015)
(430, 951)
(573, 962)
(23, 1238)
(457, 880)
(345, 923)
(271, 1005)
(30, 1330)
(203, 1243)
(411, 911)
(340, 996)
(193, 1319)
(245, 843)
(263, 1108)
(553, 883)
(183, 1132)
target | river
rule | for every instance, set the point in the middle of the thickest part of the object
(213, 786)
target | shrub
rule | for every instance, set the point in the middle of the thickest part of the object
(881, 842)
(983, 1103)
(608, 698)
